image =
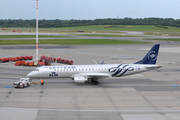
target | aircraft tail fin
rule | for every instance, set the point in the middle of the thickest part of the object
(151, 56)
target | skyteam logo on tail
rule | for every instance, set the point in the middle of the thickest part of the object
(152, 55)
(120, 70)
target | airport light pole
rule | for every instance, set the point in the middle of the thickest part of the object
(37, 31)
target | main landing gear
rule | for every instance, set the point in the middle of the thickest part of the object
(95, 81)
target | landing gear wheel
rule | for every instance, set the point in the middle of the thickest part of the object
(95, 82)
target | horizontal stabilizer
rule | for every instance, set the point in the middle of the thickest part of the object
(153, 67)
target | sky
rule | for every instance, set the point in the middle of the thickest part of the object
(89, 9)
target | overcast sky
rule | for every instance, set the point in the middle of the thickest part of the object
(89, 9)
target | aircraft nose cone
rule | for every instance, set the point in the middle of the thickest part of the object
(29, 75)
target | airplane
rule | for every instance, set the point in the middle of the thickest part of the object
(84, 73)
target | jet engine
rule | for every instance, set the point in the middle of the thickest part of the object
(80, 79)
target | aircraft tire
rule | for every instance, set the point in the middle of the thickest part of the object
(95, 82)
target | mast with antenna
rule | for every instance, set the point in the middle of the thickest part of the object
(37, 31)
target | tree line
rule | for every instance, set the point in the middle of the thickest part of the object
(69, 23)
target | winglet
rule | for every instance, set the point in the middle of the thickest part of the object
(151, 56)
(102, 62)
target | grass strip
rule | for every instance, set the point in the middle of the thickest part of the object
(164, 39)
(96, 28)
(29, 36)
(162, 34)
(105, 35)
(71, 42)
(152, 28)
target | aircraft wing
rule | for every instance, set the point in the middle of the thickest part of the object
(92, 75)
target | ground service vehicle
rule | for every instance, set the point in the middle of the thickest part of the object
(24, 57)
(22, 83)
(80, 31)
(29, 57)
(58, 60)
(19, 63)
(4, 60)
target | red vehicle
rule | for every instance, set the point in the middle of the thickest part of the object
(26, 64)
(70, 62)
(31, 63)
(19, 58)
(24, 57)
(51, 59)
(62, 60)
(44, 62)
(80, 31)
(54, 59)
(11, 59)
(47, 59)
(29, 57)
(7, 59)
(16, 59)
(66, 61)
(4, 60)
(41, 62)
(19, 63)
(58, 60)
(43, 57)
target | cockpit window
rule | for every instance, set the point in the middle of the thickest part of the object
(36, 69)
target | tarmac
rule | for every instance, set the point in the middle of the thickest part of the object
(153, 95)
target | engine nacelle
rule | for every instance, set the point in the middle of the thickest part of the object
(80, 79)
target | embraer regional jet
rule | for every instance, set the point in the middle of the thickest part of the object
(84, 73)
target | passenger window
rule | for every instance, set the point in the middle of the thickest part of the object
(54, 68)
